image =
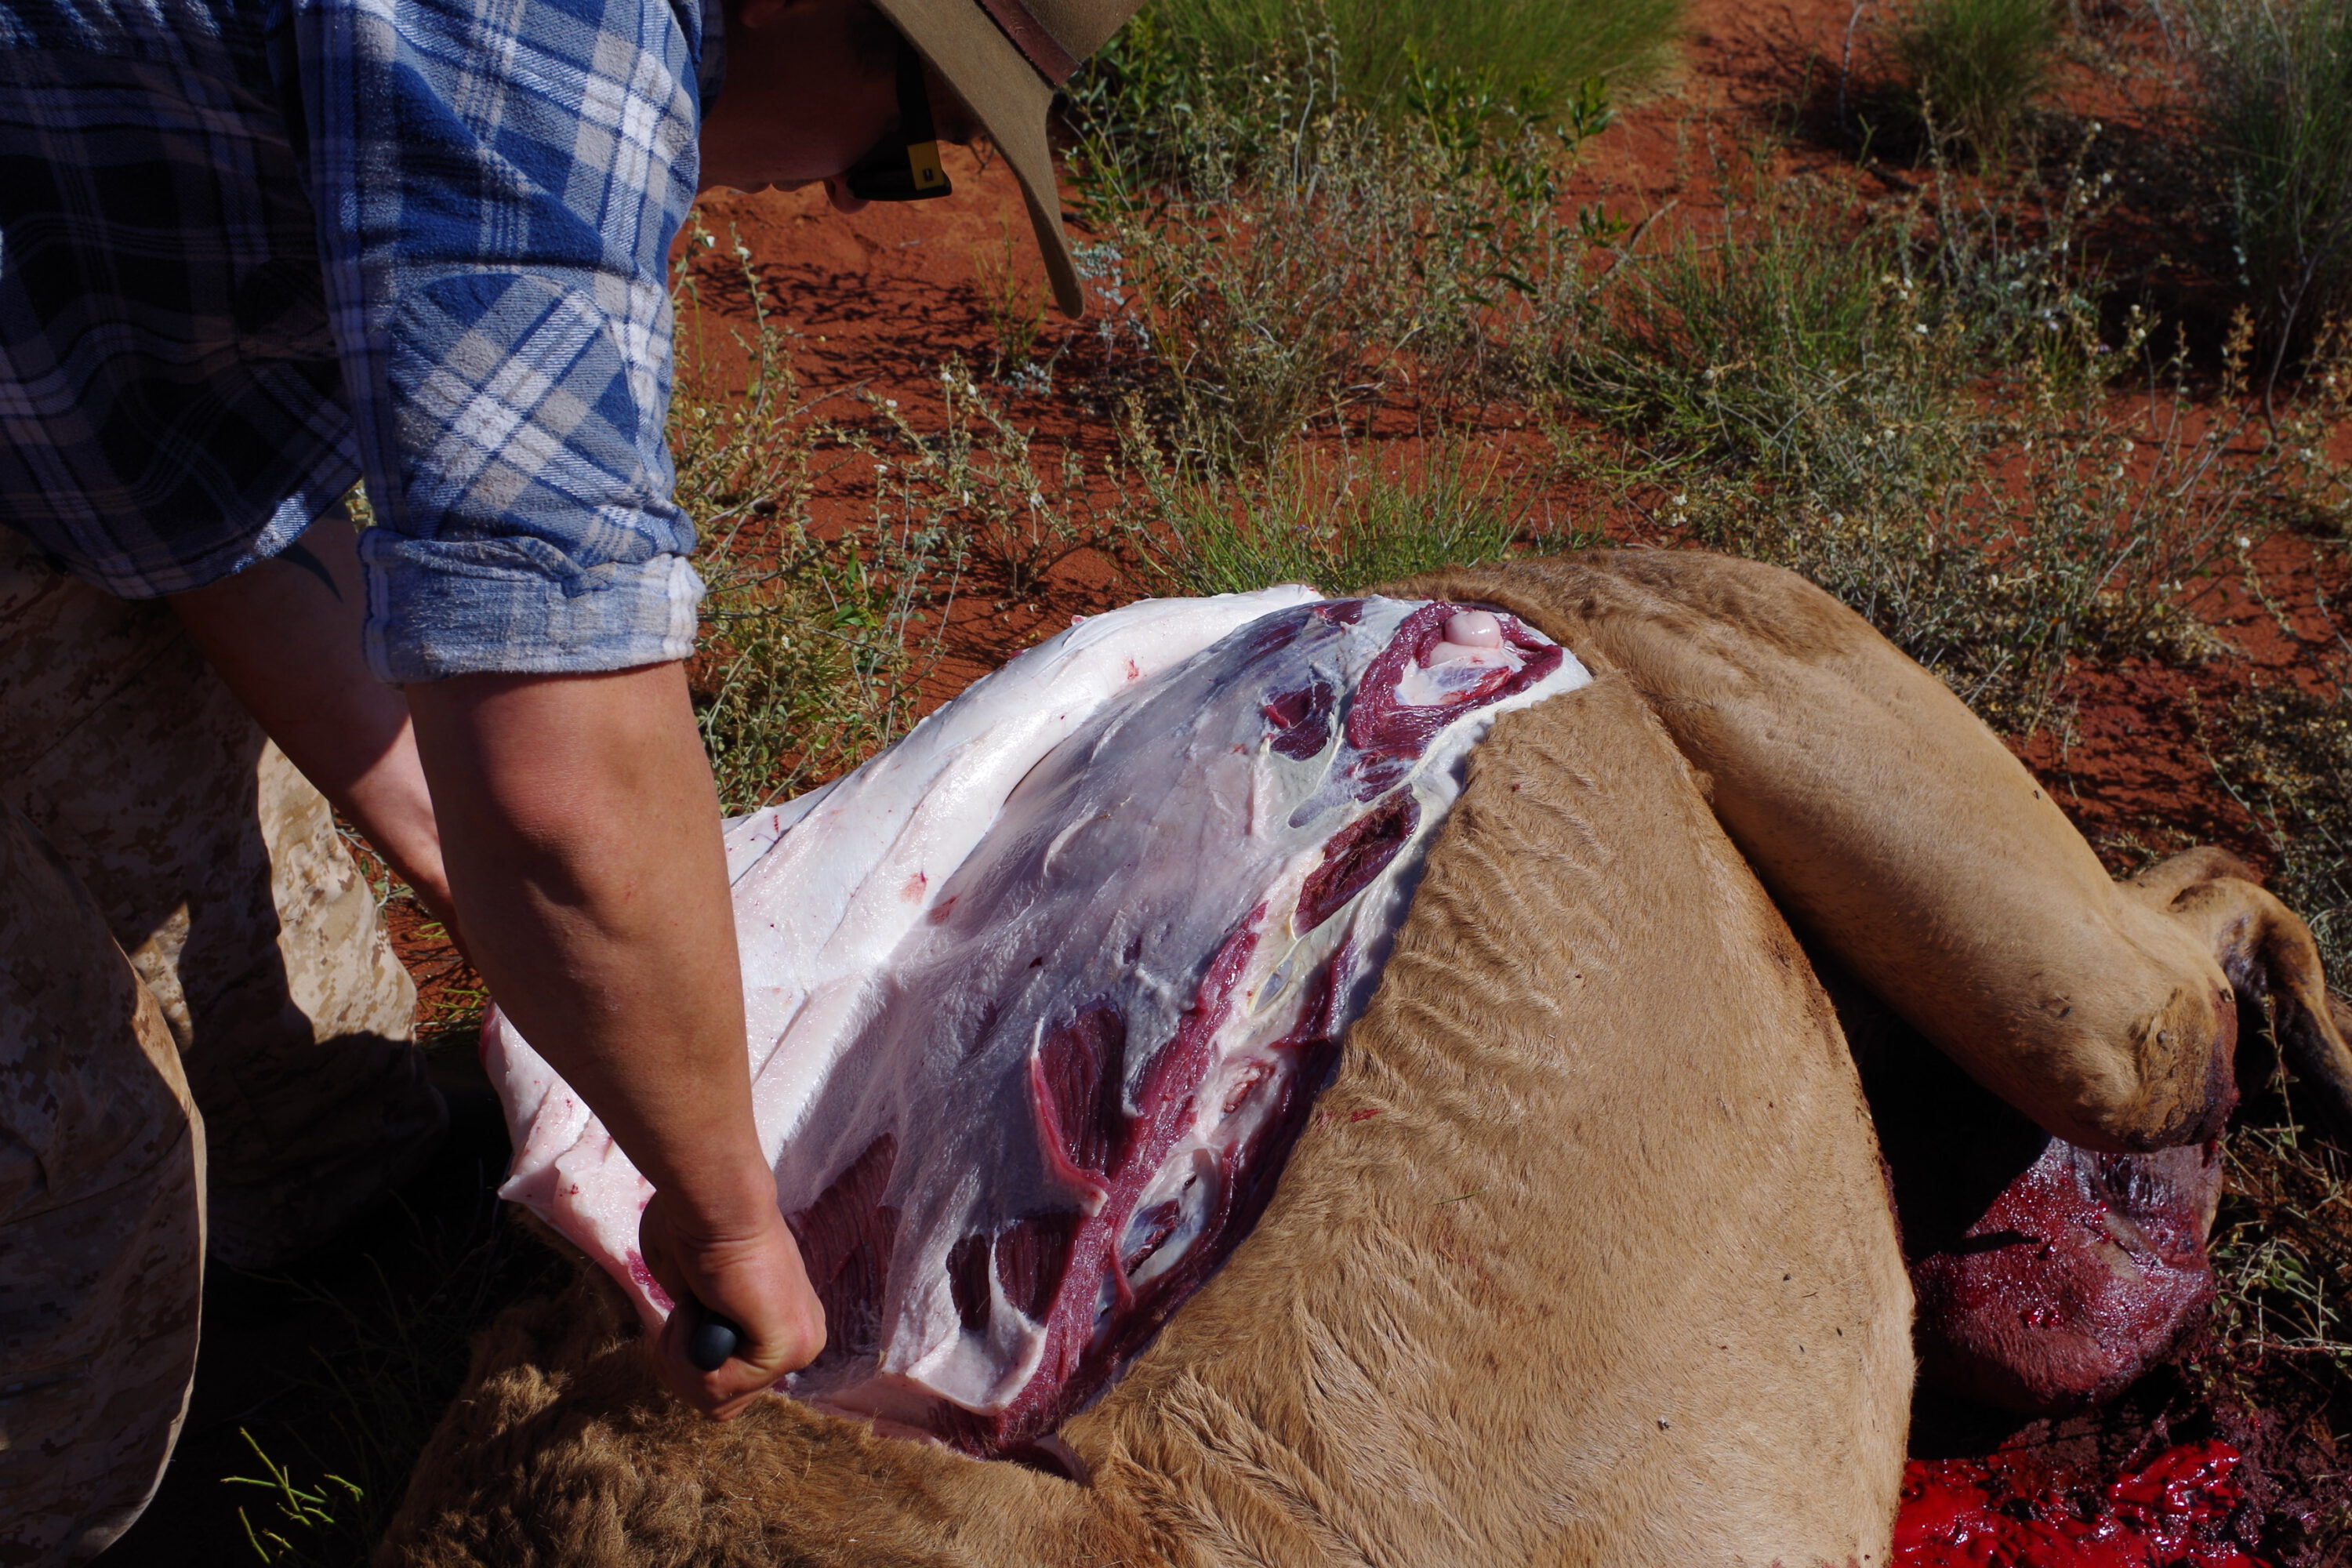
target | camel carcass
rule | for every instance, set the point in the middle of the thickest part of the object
(1123, 897)
(1585, 1255)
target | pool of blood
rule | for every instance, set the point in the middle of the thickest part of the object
(2010, 1510)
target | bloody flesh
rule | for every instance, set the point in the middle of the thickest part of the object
(1041, 998)
(2180, 1510)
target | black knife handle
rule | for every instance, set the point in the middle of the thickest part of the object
(710, 1338)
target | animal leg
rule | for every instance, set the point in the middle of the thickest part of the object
(2270, 957)
(1895, 828)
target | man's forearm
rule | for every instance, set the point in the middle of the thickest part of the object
(285, 634)
(581, 830)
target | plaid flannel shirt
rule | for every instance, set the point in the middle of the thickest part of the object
(251, 249)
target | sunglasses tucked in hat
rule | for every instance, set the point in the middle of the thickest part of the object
(1004, 59)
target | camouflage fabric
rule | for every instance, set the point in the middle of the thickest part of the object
(203, 1036)
(219, 871)
(101, 1220)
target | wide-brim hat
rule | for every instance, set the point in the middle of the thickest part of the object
(1005, 58)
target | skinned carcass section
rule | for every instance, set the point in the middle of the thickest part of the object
(1040, 997)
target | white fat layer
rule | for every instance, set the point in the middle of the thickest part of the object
(1107, 804)
(842, 874)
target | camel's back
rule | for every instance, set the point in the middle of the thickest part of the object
(1587, 1258)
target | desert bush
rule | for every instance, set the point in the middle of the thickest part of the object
(1802, 340)
(2286, 754)
(1016, 515)
(2276, 78)
(1341, 527)
(812, 649)
(1284, 258)
(1975, 68)
(1915, 411)
(1536, 52)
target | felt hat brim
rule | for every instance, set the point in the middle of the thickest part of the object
(1011, 100)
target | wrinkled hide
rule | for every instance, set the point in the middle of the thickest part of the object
(1899, 832)
(1585, 1258)
(2053, 1265)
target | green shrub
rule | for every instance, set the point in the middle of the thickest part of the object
(1536, 52)
(1282, 259)
(1976, 66)
(1340, 529)
(2277, 122)
(1916, 412)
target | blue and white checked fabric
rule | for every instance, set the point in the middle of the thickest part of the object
(250, 249)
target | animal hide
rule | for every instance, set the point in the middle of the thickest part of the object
(1041, 997)
(1584, 1258)
(1586, 1255)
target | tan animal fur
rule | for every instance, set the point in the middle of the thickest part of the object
(1893, 826)
(1587, 1259)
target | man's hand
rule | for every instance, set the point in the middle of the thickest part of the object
(581, 832)
(753, 1278)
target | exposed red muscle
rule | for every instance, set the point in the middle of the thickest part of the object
(1389, 734)
(1356, 854)
(845, 1239)
(1044, 1006)
(2084, 1271)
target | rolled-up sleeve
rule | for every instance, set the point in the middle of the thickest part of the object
(498, 184)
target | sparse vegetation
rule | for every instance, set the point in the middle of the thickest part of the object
(2277, 105)
(2289, 761)
(1975, 69)
(813, 648)
(1288, 259)
(1917, 413)
(1341, 531)
(1532, 51)
(2280, 1347)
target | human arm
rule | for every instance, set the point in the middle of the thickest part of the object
(498, 188)
(582, 833)
(284, 633)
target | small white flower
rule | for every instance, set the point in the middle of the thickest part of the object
(2245, 543)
